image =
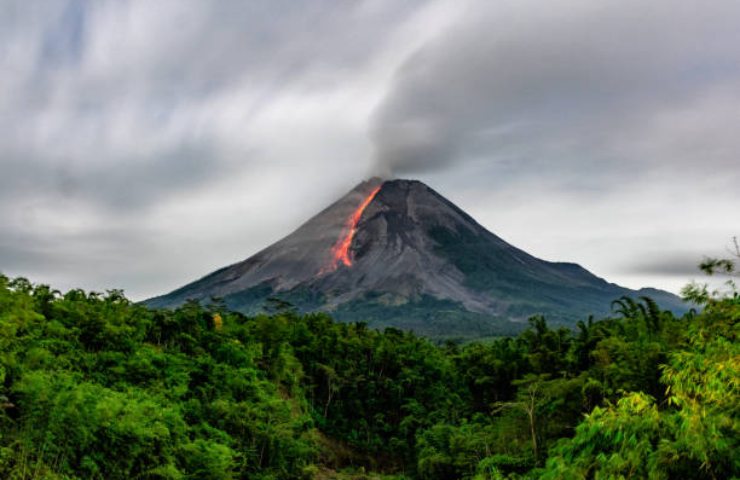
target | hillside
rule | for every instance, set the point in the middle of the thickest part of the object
(95, 387)
(409, 259)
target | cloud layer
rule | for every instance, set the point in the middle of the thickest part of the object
(145, 143)
(579, 84)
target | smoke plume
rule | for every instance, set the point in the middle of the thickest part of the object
(577, 82)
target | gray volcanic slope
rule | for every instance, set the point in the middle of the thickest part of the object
(417, 262)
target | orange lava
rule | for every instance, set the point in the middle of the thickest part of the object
(340, 250)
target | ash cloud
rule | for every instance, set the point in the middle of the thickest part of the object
(578, 83)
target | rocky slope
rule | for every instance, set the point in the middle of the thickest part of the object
(397, 253)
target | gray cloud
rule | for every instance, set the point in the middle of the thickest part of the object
(569, 86)
(117, 113)
(124, 101)
(685, 265)
(120, 183)
(143, 144)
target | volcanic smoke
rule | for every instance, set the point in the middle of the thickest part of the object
(340, 250)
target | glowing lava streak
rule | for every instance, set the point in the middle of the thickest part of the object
(340, 250)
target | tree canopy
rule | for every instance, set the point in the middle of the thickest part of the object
(95, 386)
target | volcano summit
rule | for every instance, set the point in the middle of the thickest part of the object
(397, 253)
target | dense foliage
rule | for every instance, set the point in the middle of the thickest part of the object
(94, 386)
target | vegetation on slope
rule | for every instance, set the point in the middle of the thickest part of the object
(94, 386)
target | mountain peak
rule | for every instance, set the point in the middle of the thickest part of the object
(395, 252)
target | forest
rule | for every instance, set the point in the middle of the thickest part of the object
(95, 386)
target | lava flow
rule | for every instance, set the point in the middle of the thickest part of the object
(340, 250)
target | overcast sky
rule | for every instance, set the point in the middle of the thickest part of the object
(146, 143)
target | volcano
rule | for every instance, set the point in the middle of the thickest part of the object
(397, 253)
